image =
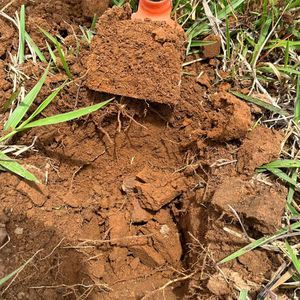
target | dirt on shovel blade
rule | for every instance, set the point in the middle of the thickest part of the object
(138, 59)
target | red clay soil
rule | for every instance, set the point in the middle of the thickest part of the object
(137, 59)
(134, 200)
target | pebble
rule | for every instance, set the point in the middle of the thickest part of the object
(19, 231)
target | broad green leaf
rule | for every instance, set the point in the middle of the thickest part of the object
(66, 116)
(23, 107)
(11, 165)
(261, 103)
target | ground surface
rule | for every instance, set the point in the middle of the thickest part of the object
(138, 194)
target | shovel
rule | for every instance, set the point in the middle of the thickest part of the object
(138, 55)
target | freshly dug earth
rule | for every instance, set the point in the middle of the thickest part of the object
(94, 7)
(137, 59)
(137, 200)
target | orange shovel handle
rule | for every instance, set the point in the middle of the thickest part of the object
(159, 10)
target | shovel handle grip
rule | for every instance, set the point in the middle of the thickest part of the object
(159, 10)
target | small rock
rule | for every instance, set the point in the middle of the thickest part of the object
(164, 230)
(128, 185)
(19, 231)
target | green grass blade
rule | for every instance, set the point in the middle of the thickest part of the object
(23, 107)
(201, 43)
(293, 210)
(294, 4)
(232, 6)
(21, 53)
(282, 163)
(283, 176)
(10, 276)
(35, 47)
(286, 70)
(66, 116)
(14, 167)
(293, 257)
(297, 102)
(286, 54)
(43, 105)
(261, 41)
(94, 22)
(14, 273)
(243, 295)
(258, 243)
(52, 55)
(261, 103)
(59, 50)
(227, 38)
(291, 192)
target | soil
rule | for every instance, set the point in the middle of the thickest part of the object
(137, 59)
(94, 7)
(134, 199)
(214, 48)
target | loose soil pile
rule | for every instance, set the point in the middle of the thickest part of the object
(138, 200)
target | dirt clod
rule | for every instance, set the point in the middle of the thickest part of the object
(218, 286)
(148, 55)
(148, 256)
(260, 205)
(232, 118)
(36, 193)
(261, 146)
(212, 50)
(150, 190)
